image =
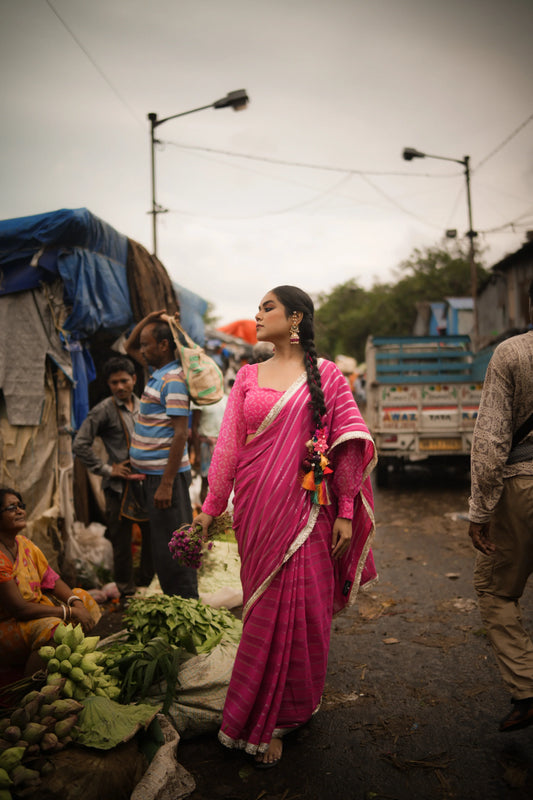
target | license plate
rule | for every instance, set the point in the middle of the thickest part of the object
(440, 444)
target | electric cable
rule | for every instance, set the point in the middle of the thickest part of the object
(505, 141)
(93, 62)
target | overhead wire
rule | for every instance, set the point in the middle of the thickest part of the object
(277, 212)
(347, 171)
(305, 165)
(512, 223)
(94, 63)
(504, 142)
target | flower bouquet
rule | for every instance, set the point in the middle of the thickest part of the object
(187, 543)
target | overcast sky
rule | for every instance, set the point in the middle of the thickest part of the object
(338, 84)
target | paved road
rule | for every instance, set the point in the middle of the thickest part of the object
(413, 696)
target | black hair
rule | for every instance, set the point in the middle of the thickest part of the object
(5, 490)
(161, 332)
(295, 299)
(118, 364)
(530, 291)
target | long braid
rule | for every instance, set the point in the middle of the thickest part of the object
(315, 466)
(314, 381)
(294, 299)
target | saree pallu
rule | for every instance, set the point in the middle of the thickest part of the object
(291, 585)
(34, 578)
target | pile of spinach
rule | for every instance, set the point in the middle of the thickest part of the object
(161, 632)
(186, 623)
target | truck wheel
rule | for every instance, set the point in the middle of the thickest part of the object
(382, 475)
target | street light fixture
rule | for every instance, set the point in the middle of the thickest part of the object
(236, 100)
(408, 154)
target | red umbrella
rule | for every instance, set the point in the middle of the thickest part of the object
(242, 329)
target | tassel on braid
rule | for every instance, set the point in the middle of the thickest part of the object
(315, 465)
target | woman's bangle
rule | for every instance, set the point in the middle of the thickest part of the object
(64, 612)
(72, 598)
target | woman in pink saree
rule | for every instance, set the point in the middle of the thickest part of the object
(298, 455)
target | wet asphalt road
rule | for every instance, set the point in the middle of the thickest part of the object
(413, 696)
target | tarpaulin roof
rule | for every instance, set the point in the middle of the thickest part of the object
(85, 252)
(107, 282)
(242, 328)
(91, 259)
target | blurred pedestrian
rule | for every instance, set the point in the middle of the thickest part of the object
(262, 351)
(501, 514)
(113, 420)
(206, 422)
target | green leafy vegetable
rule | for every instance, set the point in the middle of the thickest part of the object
(182, 622)
(163, 631)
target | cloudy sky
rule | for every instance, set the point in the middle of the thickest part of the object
(307, 185)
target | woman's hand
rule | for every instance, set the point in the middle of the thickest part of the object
(79, 614)
(341, 537)
(204, 520)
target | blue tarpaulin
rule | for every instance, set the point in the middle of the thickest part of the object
(88, 254)
(90, 257)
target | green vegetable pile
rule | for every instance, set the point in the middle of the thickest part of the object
(40, 726)
(76, 666)
(137, 667)
(162, 632)
(186, 623)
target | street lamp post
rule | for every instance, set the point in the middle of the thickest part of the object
(408, 154)
(236, 100)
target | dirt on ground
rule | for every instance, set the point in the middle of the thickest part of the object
(413, 697)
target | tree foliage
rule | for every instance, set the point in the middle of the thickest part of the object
(349, 314)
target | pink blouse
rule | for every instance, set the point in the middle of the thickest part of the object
(248, 404)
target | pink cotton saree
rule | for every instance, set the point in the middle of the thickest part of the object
(291, 585)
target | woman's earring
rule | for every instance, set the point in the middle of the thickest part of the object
(294, 333)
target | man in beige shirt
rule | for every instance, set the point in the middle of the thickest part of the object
(501, 515)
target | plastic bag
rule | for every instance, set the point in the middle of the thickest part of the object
(201, 691)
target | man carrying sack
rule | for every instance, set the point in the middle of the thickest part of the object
(159, 447)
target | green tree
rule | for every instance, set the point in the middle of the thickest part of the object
(349, 314)
(210, 317)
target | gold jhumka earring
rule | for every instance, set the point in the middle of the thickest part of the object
(294, 332)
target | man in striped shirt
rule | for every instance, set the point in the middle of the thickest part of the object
(159, 447)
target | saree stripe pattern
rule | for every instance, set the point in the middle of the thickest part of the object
(291, 585)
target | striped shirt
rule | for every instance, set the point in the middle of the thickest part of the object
(164, 396)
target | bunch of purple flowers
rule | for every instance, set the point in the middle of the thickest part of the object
(186, 546)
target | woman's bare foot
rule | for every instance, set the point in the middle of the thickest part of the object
(271, 755)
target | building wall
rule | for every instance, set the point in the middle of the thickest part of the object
(503, 305)
(492, 310)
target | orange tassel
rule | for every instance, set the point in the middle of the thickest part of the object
(308, 481)
(323, 497)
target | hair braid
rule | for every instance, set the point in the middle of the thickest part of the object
(294, 299)
(314, 381)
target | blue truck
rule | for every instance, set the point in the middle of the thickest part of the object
(423, 396)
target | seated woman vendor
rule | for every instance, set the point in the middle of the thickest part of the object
(33, 598)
